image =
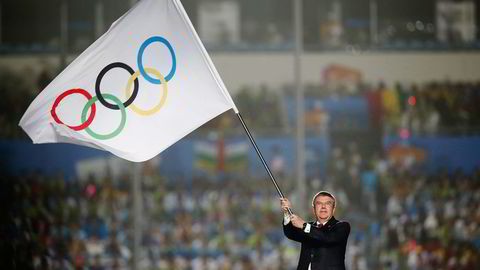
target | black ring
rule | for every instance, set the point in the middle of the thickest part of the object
(99, 79)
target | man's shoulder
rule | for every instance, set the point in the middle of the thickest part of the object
(342, 223)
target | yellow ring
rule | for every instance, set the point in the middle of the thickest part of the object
(162, 100)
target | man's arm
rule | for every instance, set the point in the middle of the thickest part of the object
(293, 233)
(290, 223)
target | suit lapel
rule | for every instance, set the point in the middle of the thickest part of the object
(332, 221)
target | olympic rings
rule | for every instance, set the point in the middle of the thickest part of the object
(67, 93)
(91, 102)
(99, 79)
(162, 100)
(85, 123)
(140, 59)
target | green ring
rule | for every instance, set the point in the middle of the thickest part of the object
(116, 131)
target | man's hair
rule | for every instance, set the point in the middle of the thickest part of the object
(323, 193)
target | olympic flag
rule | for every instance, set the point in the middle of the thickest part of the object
(142, 86)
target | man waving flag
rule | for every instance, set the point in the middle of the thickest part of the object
(142, 86)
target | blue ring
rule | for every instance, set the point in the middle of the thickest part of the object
(140, 56)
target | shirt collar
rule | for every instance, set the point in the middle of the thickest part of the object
(318, 222)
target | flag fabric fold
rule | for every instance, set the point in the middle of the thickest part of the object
(143, 85)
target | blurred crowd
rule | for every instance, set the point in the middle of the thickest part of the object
(432, 222)
(16, 94)
(433, 108)
(401, 217)
(56, 224)
(408, 219)
(428, 109)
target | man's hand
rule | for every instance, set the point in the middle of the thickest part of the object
(285, 203)
(297, 221)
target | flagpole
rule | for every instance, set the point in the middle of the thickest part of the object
(265, 165)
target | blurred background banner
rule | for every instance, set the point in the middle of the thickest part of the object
(391, 127)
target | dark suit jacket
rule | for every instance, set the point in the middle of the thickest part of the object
(324, 247)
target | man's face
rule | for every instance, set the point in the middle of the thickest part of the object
(323, 208)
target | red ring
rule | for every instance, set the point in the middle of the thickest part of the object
(67, 93)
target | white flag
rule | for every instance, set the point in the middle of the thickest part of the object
(142, 86)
